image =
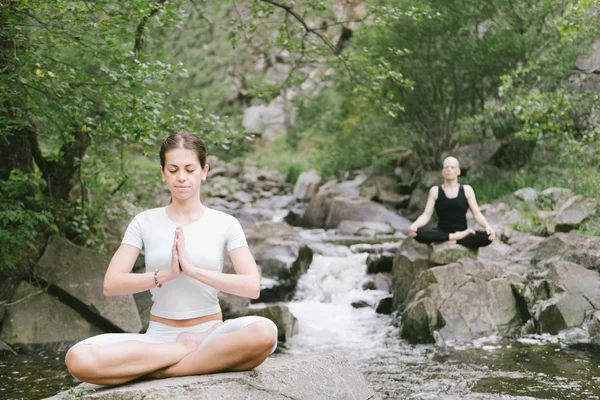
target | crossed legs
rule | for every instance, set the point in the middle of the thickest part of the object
(467, 238)
(190, 354)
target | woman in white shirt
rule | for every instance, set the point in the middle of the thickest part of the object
(183, 244)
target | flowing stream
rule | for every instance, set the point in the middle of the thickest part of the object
(536, 367)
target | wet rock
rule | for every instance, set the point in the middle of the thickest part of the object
(278, 378)
(360, 304)
(442, 254)
(562, 312)
(295, 216)
(575, 211)
(277, 250)
(385, 306)
(287, 325)
(594, 324)
(383, 281)
(38, 318)
(318, 207)
(536, 291)
(77, 275)
(380, 263)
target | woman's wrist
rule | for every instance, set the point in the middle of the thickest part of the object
(164, 275)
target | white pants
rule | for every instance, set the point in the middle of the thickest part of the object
(161, 333)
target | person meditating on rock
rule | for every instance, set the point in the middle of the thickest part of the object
(184, 244)
(451, 200)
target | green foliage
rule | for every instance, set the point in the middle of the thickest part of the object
(542, 99)
(24, 219)
(80, 82)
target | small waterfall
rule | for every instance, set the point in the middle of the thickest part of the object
(323, 306)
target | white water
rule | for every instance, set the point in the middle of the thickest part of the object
(328, 323)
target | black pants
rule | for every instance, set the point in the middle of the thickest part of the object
(434, 235)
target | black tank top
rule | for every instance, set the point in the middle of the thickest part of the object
(452, 213)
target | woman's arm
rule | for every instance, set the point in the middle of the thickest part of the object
(427, 213)
(119, 280)
(245, 282)
(477, 215)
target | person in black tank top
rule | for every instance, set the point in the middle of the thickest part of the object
(451, 201)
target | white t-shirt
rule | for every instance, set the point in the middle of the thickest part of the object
(205, 239)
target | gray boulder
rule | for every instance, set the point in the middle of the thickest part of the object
(360, 209)
(576, 294)
(429, 179)
(287, 324)
(37, 318)
(475, 155)
(528, 195)
(442, 254)
(571, 246)
(307, 185)
(277, 248)
(461, 302)
(233, 306)
(410, 260)
(418, 199)
(555, 196)
(302, 377)
(364, 228)
(221, 168)
(78, 274)
(575, 211)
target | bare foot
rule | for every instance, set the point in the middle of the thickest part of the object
(194, 340)
(461, 234)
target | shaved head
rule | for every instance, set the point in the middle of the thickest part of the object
(451, 161)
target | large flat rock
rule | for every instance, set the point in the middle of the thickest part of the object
(304, 377)
(79, 272)
(36, 318)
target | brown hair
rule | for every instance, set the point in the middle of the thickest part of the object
(184, 140)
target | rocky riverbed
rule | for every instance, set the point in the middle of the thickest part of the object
(337, 250)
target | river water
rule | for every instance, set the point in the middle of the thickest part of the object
(535, 367)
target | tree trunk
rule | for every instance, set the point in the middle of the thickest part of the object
(15, 152)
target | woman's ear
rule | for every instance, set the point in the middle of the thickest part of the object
(162, 173)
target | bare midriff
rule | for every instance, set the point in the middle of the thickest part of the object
(187, 322)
